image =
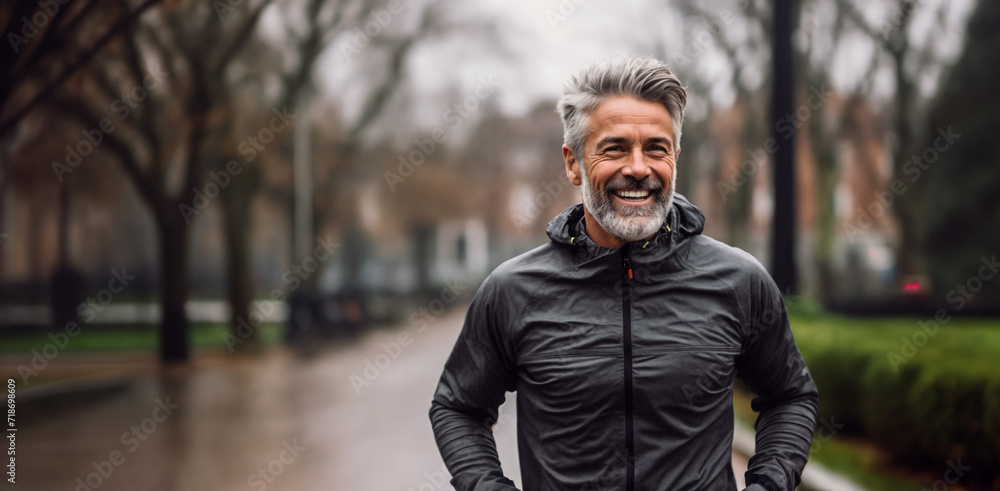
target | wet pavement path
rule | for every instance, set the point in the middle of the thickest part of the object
(281, 422)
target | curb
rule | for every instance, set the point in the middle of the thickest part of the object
(67, 394)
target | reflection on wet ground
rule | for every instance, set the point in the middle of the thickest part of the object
(280, 422)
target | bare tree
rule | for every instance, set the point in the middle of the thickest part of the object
(744, 54)
(830, 22)
(159, 79)
(324, 21)
(906, 62)
(48, 43)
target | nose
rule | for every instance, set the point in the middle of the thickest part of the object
(636, 165)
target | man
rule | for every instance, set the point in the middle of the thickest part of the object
(623, 335)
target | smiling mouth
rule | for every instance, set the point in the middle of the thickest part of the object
(638, 195)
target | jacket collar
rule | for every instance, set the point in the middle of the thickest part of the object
(683, 221)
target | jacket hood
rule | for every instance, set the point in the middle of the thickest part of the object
(684, 220)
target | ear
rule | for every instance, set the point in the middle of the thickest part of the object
(572, 166)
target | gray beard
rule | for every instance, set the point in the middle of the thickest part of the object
(629, 223)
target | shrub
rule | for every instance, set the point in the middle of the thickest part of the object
(941, 404)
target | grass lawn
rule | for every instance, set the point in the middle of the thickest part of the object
(128, 338)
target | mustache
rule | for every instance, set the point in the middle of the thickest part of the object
(626, 183)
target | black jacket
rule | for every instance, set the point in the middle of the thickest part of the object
(623, 361)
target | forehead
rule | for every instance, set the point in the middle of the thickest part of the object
(628, 115)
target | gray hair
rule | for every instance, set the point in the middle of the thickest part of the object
(623, 75)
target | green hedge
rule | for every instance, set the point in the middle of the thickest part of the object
(925, 405)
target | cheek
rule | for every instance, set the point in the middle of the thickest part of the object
(599, 173)
(667, 173)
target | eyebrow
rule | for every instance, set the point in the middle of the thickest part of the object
(612, 140)
(662, 140)
(619, 140)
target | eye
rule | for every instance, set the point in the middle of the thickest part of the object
(615, 148)
(658, 148)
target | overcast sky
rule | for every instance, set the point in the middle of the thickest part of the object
(538, 48)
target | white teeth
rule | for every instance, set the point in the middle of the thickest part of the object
(632, 194)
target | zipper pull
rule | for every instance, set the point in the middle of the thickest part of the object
(627, 262)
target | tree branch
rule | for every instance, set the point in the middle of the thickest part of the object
(114, 141)
(76, 65)
(239, 41)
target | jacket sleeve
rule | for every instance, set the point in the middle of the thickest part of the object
(787, 399)
(464, 408)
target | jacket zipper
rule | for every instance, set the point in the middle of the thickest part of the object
(627, 345)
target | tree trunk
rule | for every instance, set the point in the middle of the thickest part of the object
(783, 229)
(826, 219)
(738, 208)
(239, 292)
(64, 225)
(910, 246)
(174, 337)
(4, 190)
(422, 236)
(909, 259)
(66, 286)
